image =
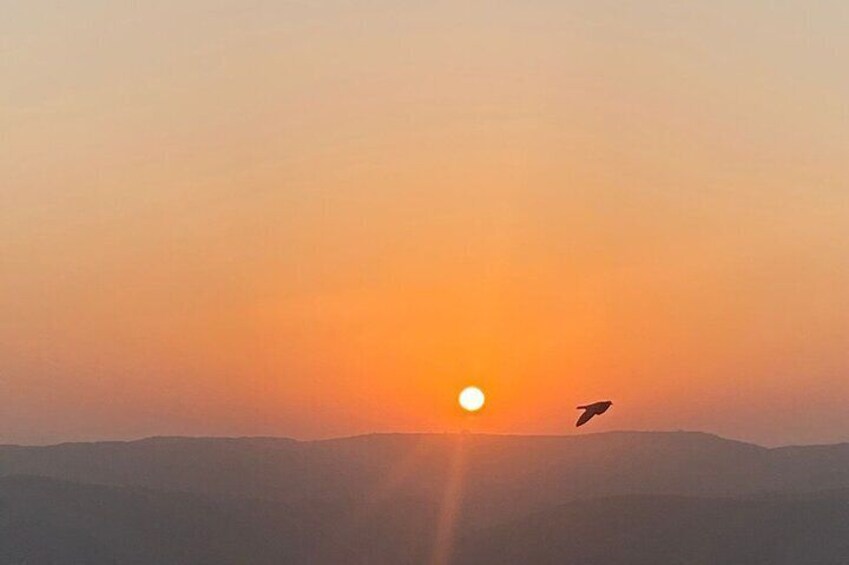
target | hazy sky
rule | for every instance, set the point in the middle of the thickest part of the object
(314, 218)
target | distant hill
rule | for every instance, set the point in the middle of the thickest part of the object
(663, 497)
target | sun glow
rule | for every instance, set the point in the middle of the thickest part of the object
(471, 399)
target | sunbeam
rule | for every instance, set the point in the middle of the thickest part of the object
(451, 506)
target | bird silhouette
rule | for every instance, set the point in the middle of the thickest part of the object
(590, 410)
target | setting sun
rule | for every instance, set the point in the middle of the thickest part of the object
(472, 399)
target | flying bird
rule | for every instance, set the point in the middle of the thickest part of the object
(590, 410)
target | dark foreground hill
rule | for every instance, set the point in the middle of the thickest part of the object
(659, 498)
(647, 530)
(45, 521)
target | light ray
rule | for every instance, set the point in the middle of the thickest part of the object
(450, 509)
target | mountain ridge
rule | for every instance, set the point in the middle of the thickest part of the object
(382, 498)
(529, 471)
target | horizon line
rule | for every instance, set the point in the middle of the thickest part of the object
(413, 433)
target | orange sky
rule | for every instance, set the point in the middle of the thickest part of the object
(317, 218)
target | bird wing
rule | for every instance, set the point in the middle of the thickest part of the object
(585, 417)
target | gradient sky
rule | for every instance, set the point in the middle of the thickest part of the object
(314, 218)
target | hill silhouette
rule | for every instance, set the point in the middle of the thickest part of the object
(619, 497)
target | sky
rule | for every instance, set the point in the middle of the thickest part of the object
(314, 218)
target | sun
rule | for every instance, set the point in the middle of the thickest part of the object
(471, 399)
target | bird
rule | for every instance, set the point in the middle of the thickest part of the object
(590, 410)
